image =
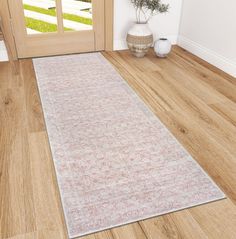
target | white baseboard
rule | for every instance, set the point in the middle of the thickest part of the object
(208, 55)
(3, 52)
(122, 45)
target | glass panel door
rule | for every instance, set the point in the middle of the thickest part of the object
(77, 15)
(53, 27)
(40, 16)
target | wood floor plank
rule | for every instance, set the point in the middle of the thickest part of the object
(48, 213)
(32, 100)
(210, 154)
(131, 231)
(39, 235)
(227, 110)
(178, 225)
(208, 218)
(16, 200)
(140, 64)
(171, 69)
(100, 235)
(196, 109)
(206, 76)
(200, 64)
(9, 76)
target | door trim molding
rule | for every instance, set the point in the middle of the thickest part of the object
(109, 19)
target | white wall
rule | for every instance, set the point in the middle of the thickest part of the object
(208, 29)
(164, 25)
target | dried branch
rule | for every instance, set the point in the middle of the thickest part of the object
(148, 8)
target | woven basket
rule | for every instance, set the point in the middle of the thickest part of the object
(139, 45)
(140, 40)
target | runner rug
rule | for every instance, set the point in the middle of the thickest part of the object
(115, 162)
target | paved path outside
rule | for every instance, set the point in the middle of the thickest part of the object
(70, 4)
(78, 12)
(78, 5)
(40, 3)
(31, 31)
(53, 20)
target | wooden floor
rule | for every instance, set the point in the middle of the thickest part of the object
(194, 100)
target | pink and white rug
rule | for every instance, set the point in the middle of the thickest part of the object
(115, 161)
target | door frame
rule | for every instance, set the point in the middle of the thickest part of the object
(108, 33)
(109, 24)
